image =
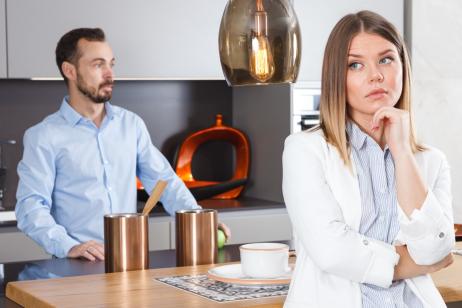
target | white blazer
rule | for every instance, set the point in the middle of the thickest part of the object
(324, 204)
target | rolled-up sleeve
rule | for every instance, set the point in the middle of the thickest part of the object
(429, 231)
(319, 222)
(36, 173)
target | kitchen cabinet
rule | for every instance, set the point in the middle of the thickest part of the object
(174, 39)
(253, 226)
(16, 246)
(2, 39)
(258, 226)
(246, 226)
(159, 233)
(317, 18)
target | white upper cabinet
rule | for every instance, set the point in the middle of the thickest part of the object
(317, 18)
(2, 40)
(174, 39)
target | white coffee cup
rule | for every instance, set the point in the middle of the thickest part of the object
(264, 260)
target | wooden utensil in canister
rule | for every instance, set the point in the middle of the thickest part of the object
(155, 196)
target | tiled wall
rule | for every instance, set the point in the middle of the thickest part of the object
(437, 64)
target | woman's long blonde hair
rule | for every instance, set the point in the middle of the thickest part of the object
(333, 105)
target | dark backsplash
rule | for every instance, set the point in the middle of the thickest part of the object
(171, 110)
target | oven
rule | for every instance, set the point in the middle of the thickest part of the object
(305, 105)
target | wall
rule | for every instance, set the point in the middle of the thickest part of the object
(436, 41)
(317, 18)
(263, 113)
(171, 110)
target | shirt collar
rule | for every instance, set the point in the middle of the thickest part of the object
(73, 117)
(356, 136)
(110, 111)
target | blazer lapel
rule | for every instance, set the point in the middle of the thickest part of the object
(345, 187)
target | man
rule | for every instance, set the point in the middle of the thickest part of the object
(81, 162)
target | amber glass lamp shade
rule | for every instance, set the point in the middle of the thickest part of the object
(259, 42)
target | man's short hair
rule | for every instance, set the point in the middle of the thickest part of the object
(66, 49)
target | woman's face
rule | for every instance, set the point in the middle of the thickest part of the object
(374, 76)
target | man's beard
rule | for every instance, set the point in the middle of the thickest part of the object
(92, 93)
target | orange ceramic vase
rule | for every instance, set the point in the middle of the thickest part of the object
(217, 132)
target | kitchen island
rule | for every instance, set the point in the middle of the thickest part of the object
(447, 280)
(56, 268)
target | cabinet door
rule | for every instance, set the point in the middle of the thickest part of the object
(259, 227)
(317, 18)
(16, 246)
(159, 233)
(151, 39)
(2, 39)
(253, 226)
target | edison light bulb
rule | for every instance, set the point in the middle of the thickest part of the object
(261, 58)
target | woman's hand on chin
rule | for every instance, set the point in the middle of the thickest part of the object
(396, 128)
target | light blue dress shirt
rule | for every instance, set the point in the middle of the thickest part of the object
(73, 173)
(379, 220)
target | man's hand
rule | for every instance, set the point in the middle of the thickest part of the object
(90, 250)
(225, 229)
(407, 268)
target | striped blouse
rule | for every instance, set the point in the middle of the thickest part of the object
(379, 220)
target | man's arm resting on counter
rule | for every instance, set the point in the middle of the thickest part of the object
(91, 250)
(36, 173)
(152, 166)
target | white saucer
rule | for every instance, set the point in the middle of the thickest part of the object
(232, 273)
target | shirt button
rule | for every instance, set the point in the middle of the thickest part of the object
(441, 235)
(346, 228)
(109, 188)
(365, 242)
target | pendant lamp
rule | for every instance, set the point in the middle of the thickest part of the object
(259, 42)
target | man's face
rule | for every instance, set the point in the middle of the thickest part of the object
(95, 77)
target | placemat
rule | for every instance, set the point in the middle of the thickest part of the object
(221, 291)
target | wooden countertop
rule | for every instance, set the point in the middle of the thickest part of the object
(128, 289)
(139, 289)
(449, 280)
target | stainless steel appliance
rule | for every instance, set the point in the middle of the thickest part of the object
(305, 105)
(3, 170)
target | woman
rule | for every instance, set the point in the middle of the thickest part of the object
(371, 208)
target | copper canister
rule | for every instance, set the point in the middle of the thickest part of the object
(196, 237)
(126, 243)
